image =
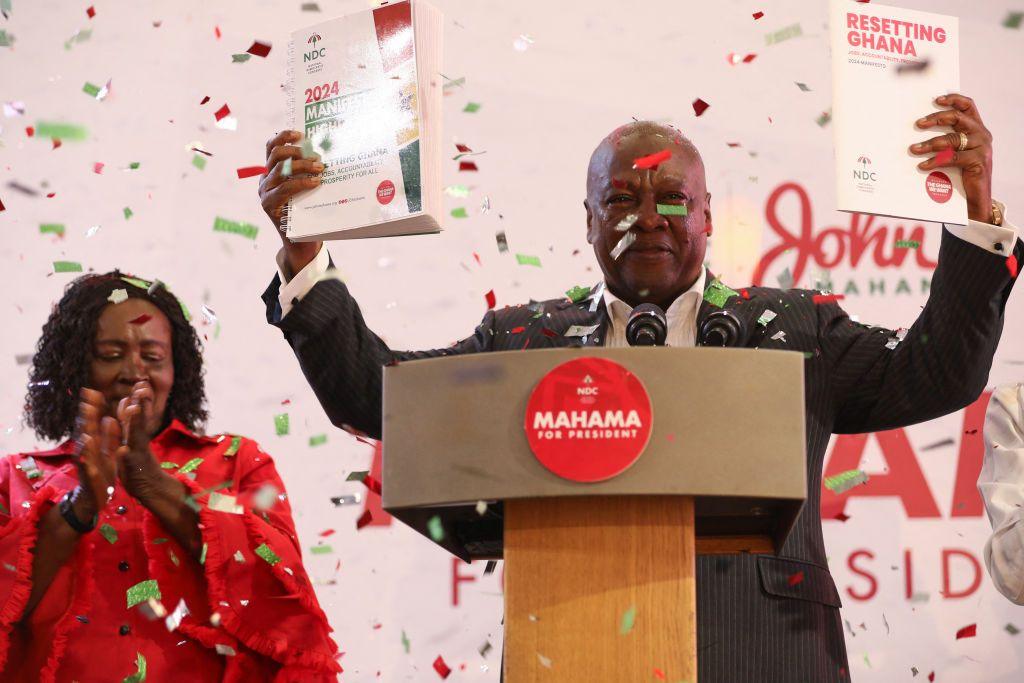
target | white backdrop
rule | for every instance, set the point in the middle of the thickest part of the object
(591, 66)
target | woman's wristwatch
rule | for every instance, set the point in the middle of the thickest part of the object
(68, 513)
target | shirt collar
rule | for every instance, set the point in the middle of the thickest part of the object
(685, 304)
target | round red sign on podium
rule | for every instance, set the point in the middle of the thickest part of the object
(588, 419)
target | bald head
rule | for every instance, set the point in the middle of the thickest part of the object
(661, 135)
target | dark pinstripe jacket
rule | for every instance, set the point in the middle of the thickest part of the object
(752, 625)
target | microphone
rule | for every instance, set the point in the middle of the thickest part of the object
(723, 328)
(646, 326)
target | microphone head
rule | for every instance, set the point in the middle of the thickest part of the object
(722, 328)
(647, 326)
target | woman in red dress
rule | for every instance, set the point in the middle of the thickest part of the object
(140, 549)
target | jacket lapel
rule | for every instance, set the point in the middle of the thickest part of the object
(748, 310)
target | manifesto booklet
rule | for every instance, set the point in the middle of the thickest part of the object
(364, 93)
(888, 66)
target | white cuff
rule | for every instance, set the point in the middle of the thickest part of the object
(293, 289)
(997, 239)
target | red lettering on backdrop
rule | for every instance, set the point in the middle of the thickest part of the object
(966, 499)
(947, 592)
(458, 578)
(870, 593)
(835, 245)
(904, 479)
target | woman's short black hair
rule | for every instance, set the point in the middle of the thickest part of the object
(60, 366)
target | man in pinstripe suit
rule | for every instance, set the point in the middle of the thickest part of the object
(752, 624)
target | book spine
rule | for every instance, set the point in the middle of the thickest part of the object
(289, 108)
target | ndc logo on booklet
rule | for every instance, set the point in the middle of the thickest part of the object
(864, 177)
(314, 53)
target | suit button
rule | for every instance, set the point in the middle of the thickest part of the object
(122, 565)
(125, 629)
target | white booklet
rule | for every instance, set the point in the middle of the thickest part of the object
(365, 94)
(888, 66)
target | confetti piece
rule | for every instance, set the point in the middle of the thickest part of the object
(90, 89)
(913, 66)
(222, 112)
(481, 507)
(173, 619)
(51, 228)
(250, 171)
(247, 230)
(225, 650)
(717, 293)
(824, 118)
(626, 223)
(67, 267)
(259, 49)
(780, 335)
(457, 191)
(467, 166)
(578, 294)
(371, 483)
(672, 209)
(267, 554)
(802, 86)
(792, 31)
(627, 621)
(524, 260)
(281, 424)
(758, 15)
(1011, 629)
(485, 648)
(700, 106)
(907, 244)
(128, 213)
(441, 668)
(6, 39)
(1013, 20)
(522, 43)
(61, 131)
(321, 549)
(766, 317)
(405, 642)
(435, 528)
(460, 212)
(845, 481)
(623, 244)
(580, 330)
(357, 475)
(286, 168)
(968, 631)
(317, 440)
(224, 503)
(1011, 265)
(108, 532)
(502, 241)
(659, 674)
(491, 299)
(544, 661)
(842, 517)
(652, 160)
(191, 465)
(141, 320)
(796, 578)
(142, 591)
(944, 156)
(199, 161)
(140, 674)
(471, 107)
(826, 298)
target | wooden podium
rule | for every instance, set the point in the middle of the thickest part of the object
(599, 577)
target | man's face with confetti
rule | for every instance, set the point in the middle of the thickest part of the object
(659, 206)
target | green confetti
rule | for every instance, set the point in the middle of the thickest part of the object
(54, 228)
(142, 591)
(158, 541)
(825, 117)
(267, 554)
(321, 549)
(63, 131)
(317, 440)
(628, 619)
(6, 39)
(174, 557)
(1013, 20)
(202, 555)
(199, 161)
(247, 230)
(168, 465)
(67, 267)
(108, 532)
(140, 675)
(435, 528)
(80, 37)
(578, 294)
(524, 260)
(357, 475)
(236, 442)
(405, 642)
(672, 209)
(281, 424)
(460, 212)
(134, 165)
(241, 57)
(471, 107)
(907, 244)
(844, 481)
(191, 465)
(457, 191)
(128, 213)
(792, 31)
(90, 89)
(717, 294)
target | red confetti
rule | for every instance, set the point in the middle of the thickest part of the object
(747, 60)
(827, 298)
(372, 484)
(441, 668)
(659, 674)
(931, 676)
(90, 11)
(1011, 265)
(467, 166)
(758, 15)
(250, 171)
(491, 301)
(364, 519)
(549, 332)
(141, 320)
(733, 144)
(462, 148)
(216, 32)
(944, 157)
(286, 402)
(205, 100)
(794, 579)
(222, 112)
(56, 143)
(477, 257)
(517, 330)
(259, 49)
(2, 207)
(51, 195)
(652, 160)
(745, 293)
(97, 167)
(700, 106)
(968, 631)
(30, 131)
(842, 517)
(327, 532)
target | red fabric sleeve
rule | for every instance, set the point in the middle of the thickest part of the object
(271, 610)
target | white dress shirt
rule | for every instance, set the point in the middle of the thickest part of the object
(682, 314)
(1002, 488)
